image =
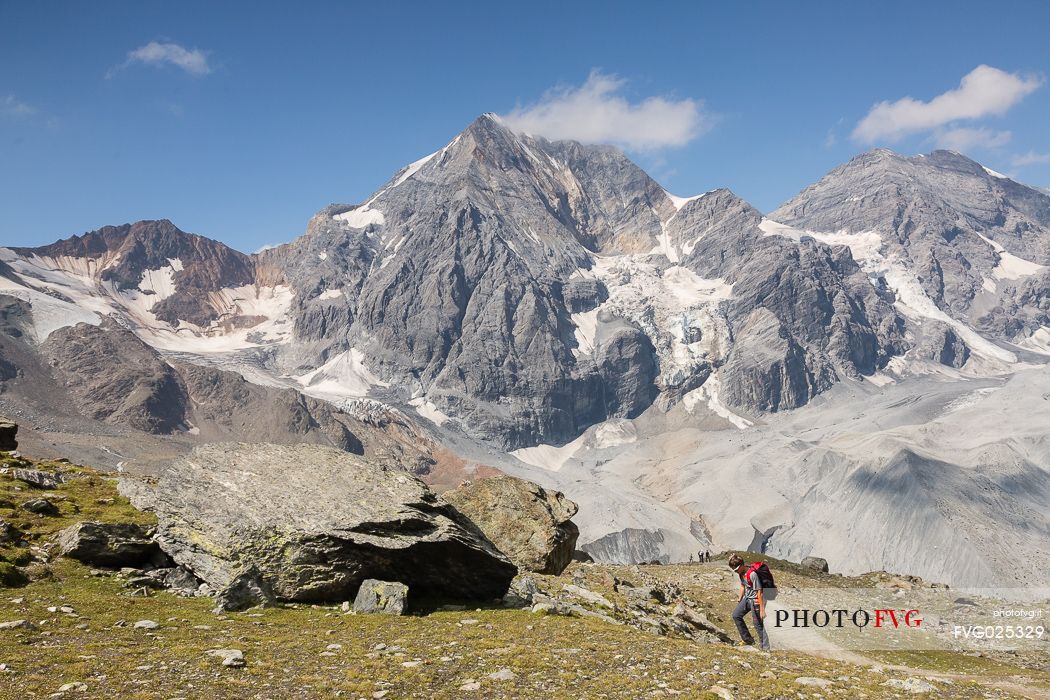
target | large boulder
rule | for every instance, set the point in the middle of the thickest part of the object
(526, 522)
(815, 564)
(108, 544)
(313, 522)
(8, 430)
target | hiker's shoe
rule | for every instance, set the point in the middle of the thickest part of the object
(745, 644)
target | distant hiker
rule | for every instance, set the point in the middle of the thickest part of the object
(751, 599)
(707, 555)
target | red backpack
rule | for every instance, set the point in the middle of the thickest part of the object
(765, 576)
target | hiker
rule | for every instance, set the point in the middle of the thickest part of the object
(750, 600)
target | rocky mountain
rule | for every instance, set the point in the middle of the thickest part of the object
(547, 310)
(940, 229)
(533, 289)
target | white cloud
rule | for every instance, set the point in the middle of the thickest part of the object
(267, 246)
(596, 113)
(11, 106)
(966, 138)
(984, 91)
(1030, 158)
(155, 53)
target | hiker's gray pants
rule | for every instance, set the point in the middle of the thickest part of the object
(742, 608)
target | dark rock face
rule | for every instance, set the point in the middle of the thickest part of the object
(529, 524)
(628, 367)
(381, 597)
(108, 544)
(473, 307)
(314, 523)
(8, 431)
(822, 301)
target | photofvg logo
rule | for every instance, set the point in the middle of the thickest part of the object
(841, 617)
(916, 618)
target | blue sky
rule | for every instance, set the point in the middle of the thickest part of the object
(238, 121)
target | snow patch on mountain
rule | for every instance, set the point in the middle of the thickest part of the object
(362, 217)
(251, 316)
(550, 457)
(345, 376)
(586, 323)
(1037, 342)
(708, 393)
(1010, 266)
(49, 313)
(428, 410)
(680, 202)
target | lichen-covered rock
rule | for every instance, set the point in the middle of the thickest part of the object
(528, 523)
(108, 544)
(315, 522)
(381, 597)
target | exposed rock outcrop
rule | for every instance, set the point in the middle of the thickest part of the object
(108, 544)
(816, 564)
(943, 345)
(314, 523)
(528, 523)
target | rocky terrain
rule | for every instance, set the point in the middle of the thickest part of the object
(70, 629)
(870, 359)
